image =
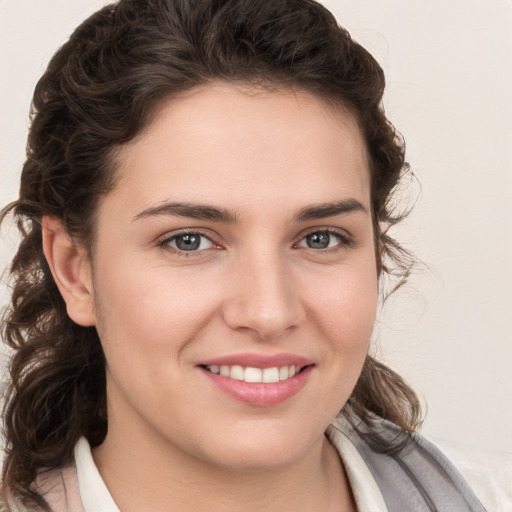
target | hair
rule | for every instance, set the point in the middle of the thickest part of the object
(102, 88)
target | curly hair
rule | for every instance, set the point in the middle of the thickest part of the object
(99, 91)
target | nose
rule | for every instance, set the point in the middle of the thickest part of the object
(264, 298)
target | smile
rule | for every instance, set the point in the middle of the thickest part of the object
(255, 375)
(261, 386)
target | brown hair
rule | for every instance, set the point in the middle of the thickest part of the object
(98, 92)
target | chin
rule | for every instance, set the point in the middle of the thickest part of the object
(258, 452)
(257, 460)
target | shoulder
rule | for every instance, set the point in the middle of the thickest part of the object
(410, 471)
(488, 472)
(59, 488)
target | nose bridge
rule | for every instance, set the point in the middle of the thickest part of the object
(264, 295)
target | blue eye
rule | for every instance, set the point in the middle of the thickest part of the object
(189, 242)
(324, 239)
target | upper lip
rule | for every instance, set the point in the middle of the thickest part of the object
(258, 360)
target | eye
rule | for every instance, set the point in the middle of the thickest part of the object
(188, 242)
(324, 239)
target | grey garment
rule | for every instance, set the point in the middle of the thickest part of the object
(415, 478)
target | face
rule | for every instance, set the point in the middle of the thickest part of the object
(234, 276)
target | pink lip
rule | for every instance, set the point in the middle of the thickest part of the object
(259, 394)
(258, 360)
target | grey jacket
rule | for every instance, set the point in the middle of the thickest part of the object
(417, 478)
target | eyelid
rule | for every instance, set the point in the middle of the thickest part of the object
(346, 240)
(163, 241)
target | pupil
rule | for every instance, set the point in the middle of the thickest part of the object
(318, 240)
(188, 242)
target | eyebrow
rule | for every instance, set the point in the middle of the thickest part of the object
(324, 210)
(190, 210)
(213, 213)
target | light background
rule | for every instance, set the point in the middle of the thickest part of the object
(449, 71)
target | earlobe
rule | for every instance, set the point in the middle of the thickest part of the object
(71, 271)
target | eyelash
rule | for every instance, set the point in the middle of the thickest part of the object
(164, 243)
(345, 241)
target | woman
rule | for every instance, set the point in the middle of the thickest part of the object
(204, 210)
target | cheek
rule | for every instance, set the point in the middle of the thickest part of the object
(150, 311)
(146, 326)
(344, 312)
(346, 304)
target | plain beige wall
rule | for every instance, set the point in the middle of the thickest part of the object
(450, 92)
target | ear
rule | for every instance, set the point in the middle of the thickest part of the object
(71, 271)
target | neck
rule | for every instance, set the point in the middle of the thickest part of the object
(154, 475)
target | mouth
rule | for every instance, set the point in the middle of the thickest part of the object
(255, 375)
(258, 380)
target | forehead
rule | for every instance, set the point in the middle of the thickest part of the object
(228, 142)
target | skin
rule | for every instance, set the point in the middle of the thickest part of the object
(175, 441)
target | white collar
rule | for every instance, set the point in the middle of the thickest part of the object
(364, 487)
(96, 497)
(93, 491)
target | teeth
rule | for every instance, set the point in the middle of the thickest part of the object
(270, 375)
(249, 374)
(237, 372)
(253, 374)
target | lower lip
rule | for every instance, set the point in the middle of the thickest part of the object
(259, 394)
